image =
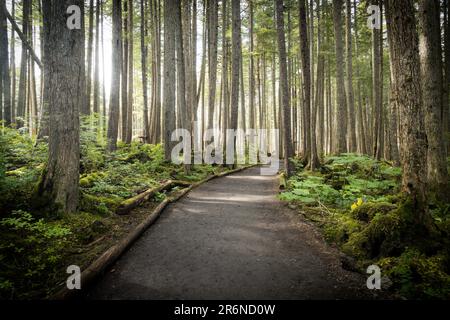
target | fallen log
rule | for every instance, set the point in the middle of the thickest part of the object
(101, 264)
(128, 205)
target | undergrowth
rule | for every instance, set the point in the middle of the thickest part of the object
(357, 203)
(36, 244)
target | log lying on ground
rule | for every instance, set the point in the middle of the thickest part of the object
(100, 265)
(126, 206)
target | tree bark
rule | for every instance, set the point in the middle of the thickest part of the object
(22, 94)
(341, 113)
(287, 144)
(404, 48)
(169, 75)
(61, 176)
(87, 109)
(96, 106)
(235, 67)
(144, 57)
(4, 66)
(183, 86)
(349, 80)
(129, 133)
(432, 94)
(212, 58)
(114, 100)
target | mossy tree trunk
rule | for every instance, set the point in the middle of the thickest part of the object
(67, 95)
(404, 48)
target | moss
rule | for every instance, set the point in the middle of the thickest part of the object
(88, 180)
(382, 237)
(367, 211)
(418, 276)
(98, 205)
(340, 229)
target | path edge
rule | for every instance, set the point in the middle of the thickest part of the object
(107, 258)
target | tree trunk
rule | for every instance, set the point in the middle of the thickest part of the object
(114, 100)
(341, 114)
(288, 150)
(225, 89)
(349, 80)
(431, 75)
(306, 72)
(169, 75)
(87, 109)
(4, 66)
(404, 48)
(235, 68)
(61, 176)
(212, 58)
(124, 83)
(251, 74)
(22, 94)
(129, 133)
(13, 67)
(377, 104)
(144, 56)
(96, 107)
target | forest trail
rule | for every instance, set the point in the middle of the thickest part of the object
(230, 238)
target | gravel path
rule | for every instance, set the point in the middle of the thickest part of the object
(231, 238)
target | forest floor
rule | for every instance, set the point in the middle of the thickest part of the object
(231, 238)
(235, 237)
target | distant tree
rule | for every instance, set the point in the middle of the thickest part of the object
(114, 100)
(169, 88)
(286, 112)
(341, 114)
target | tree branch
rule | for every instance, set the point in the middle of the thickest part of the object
(21, 35)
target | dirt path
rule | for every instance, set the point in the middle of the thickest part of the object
(230, 239)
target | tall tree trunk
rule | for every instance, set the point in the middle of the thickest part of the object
(114, 100)
(4, 66)
(235, 68)
(349, 80)
(144, 56)
(183, 86)
(169, 74)
(61, 176)
(129, 133)
(251, 74)
(124, 84)
(359, 112)
(446, 84)
(212, 58)
(225, 89)
(341, 114)
(96, 106)
(22, 94)
(87, 110)
(306, 72)
(377, 103)
(404, 48)
(47, 51)
(431, 75)
(393, 123)
(288, 150)
(13, 67)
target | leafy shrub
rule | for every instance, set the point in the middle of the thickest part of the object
(30, 249)
(416, 275)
